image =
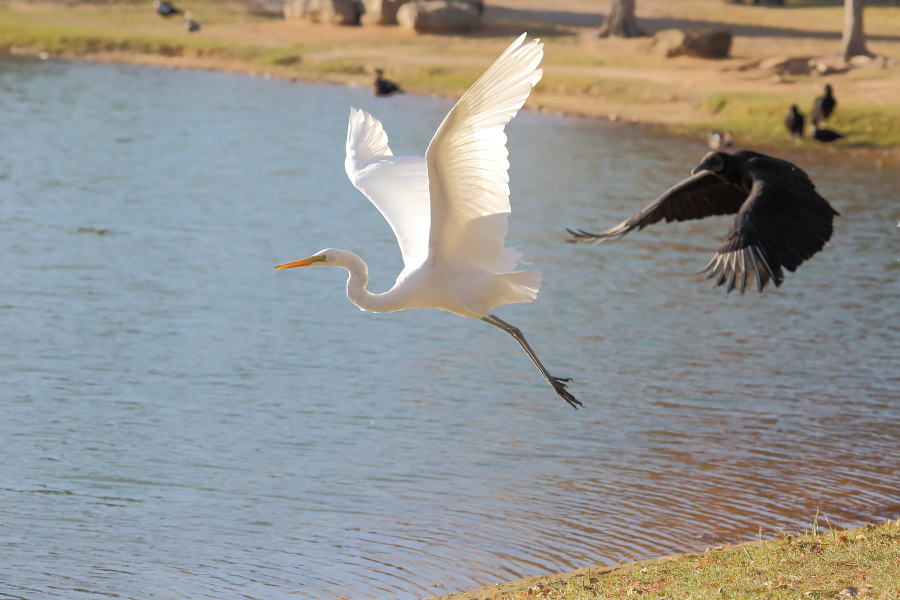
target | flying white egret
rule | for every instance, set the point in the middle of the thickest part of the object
(449, 209)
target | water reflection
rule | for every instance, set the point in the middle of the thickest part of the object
(180, 420)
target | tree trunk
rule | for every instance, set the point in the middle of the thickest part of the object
(621, 21)
(853, 43)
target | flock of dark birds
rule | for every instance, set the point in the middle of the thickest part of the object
(165, 9)
(383, 87)
(795, 121)
(824, 105)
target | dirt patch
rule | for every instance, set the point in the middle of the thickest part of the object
(772, 62)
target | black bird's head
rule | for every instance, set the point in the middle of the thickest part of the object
(828, 90)
(713, 162)
(794, 109)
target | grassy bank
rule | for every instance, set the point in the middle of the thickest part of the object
(620, 79)
(839, 565)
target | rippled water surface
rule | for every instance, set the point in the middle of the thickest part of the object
(179, 420)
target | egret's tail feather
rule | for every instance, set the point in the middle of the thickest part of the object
(521, 286)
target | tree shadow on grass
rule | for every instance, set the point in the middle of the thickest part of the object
(500, 20)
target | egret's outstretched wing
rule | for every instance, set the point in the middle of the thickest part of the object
(467, 163)
(783, 223)
(702, 195)
(396, 185)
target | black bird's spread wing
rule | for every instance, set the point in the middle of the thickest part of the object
(783, 223)
(702, 195)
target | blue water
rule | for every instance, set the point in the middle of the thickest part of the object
(178, 420)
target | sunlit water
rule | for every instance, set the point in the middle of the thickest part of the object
(178, 420)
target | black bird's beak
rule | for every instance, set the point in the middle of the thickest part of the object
(711, 162)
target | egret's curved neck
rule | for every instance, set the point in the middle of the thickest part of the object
(356, 287)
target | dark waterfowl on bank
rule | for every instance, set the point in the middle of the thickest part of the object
(164, 8)
(384, 87)
(717, 139)
(781, 218)
(189, 23)
(824, 105)
(826, 135)
(795, 121)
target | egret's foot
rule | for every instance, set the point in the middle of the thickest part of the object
(559, 386)
(579, 235)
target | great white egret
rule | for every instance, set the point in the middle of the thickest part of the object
(781, 219)
(449, 209)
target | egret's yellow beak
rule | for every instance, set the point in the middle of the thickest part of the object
(303, 262)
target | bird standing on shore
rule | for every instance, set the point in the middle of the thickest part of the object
(384, 87)
(716, 139)
(824, 105)
(781, 218)
(164, 8)
(795, 121)
(189, 23)
(826, 135)
(449, 209)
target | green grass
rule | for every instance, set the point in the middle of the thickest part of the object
(129, 29)
(759, 119)
(831, 565)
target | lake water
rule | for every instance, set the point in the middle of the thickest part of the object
(178, 420)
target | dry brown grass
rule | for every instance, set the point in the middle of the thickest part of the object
(838, 565)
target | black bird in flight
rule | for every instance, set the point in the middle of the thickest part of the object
(383, 87)
(781, 220)
(826, 135)
(795, 121)
(824, 105)
(164, 8)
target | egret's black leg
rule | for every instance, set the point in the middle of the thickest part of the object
(557, 383)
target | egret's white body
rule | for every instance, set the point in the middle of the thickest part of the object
(449, 208)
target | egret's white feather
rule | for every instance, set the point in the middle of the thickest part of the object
(396, 185)
(468, 163)
(449, 210)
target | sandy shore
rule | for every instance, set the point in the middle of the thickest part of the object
(621, 80)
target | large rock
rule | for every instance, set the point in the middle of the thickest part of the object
(300, 9)
(440, 16)
(342, 12)
(382, 12)
(339, 12)
(710, 43)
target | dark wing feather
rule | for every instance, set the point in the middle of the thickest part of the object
(702, 195)
(783, 223)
